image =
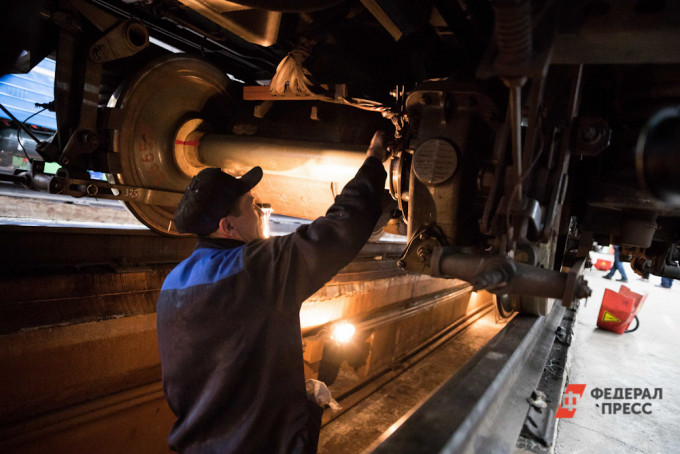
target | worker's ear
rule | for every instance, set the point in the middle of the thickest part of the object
(226, 227)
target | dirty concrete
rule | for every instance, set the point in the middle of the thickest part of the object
(647, 358)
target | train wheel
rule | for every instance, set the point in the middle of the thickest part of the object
(164, 96)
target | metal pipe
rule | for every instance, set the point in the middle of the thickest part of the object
(500, 274)
(516, 130)
(301, 179)
(297, 159)
(672, 272)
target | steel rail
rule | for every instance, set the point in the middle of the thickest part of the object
(481, 408)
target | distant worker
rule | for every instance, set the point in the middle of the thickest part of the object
(228, 316)
(617, 266)
(666, 282)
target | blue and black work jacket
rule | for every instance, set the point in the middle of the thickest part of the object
(229, 328)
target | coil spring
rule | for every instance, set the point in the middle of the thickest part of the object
(513, 32)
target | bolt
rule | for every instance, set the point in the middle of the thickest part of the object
(423, 236)
(65, 161)
(89, 138)
(424, 254)
(582, 289)
(401, 264)
(96, 54)
(590, 134)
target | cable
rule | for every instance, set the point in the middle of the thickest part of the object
(637, 325)
(519, 185)
(23, 125)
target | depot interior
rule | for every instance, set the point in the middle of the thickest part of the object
(527, 138)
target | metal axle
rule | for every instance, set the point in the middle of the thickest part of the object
(301, 179)
(500, 274)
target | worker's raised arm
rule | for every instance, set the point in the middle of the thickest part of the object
(300, 263)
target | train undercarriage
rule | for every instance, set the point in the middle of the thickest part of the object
(523, 132)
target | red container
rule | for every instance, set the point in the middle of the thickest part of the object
(638, 297)
(618, 309)
(603, 265)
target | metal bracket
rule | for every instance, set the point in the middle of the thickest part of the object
(125, 39)
(563, 335)
(576, 286)
(103, 190)
(417, 256)
(96, 189)
(540, 421)
(591, 136)
(120, 39)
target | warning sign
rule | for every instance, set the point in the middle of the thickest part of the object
(609, 317)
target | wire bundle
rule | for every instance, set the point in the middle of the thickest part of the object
(291, 76)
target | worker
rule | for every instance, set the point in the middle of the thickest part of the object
(228, 316)
(617, 266)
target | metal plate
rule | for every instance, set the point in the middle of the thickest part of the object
(155, 103)
(435, 161)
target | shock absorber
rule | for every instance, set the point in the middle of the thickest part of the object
(514, 38)
(513, 35)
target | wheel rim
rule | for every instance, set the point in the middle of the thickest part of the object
(156, 103)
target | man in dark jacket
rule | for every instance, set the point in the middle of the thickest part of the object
(228, 316)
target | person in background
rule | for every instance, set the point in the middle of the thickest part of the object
(666, 282)
(617, 266)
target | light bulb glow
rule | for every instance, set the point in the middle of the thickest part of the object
(266, 218)
(343, 332)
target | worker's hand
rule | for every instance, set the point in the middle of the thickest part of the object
(377, 148)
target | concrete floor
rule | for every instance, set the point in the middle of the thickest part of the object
(647, 358)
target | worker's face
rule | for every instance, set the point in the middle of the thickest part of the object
(249, 224)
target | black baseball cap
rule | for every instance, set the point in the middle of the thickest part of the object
(209, 197)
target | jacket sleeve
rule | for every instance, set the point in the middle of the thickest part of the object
(288, 269)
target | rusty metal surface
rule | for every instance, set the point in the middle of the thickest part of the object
(53, 368)
(34, 248)
(30, 302)
(87, 427)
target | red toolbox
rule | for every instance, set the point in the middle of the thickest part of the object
(603, 265)
(618, 309)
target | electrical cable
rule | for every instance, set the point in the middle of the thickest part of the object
(22, 125)
(637, 325)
